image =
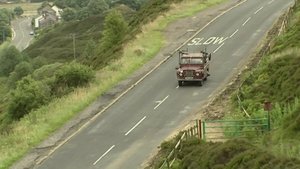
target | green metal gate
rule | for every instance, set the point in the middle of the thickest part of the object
(224, 129)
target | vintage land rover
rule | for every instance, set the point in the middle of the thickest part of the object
(193, 66)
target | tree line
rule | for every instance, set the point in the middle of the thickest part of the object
(6, 16)
(81, 9)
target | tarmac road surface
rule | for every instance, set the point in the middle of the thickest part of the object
(124, 136)
(21, 28)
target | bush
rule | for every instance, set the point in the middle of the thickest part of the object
(46, 71)
(21, 70)
(70, 76)
(9, 58)
(28, 95)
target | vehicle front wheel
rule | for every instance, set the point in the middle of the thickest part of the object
(200, 83)
(180, 83)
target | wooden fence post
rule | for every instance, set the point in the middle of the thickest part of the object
(203, 130)
(199, 129)
(168, 164)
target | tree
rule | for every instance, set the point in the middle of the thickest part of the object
(133, 4)
(83, 13)
(28, 95)
(5, 16)
(115, 28)
(9, 58)
(21, 70)
(82, 3)
(97, 6)
(18, 11)
(68, 14)
(5, 32)
(70, 76)
(89, 49)
(73, 75)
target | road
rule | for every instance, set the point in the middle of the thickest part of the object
(125, 134)
(21, 28)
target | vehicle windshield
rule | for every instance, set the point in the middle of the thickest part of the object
(191, 61)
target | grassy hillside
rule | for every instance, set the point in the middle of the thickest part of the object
(56, 43)
(37, 125)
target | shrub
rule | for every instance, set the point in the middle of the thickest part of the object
(28, 95)
(46, 71)
(21, 70)
(70, 76)
(9, 58)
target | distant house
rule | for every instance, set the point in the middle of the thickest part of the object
(49, 15)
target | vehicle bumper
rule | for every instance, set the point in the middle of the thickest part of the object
(187, 79)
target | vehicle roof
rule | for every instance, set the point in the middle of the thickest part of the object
(198, 54)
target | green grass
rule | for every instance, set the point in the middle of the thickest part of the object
(30, 9)
(38, 125)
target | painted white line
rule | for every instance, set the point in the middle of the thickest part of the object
(218, 48)
(270, 1)
(246, 21)
(136, 83)
(13, 34)
(161, 102)
(135, 125)
(233, 33)
(258, 10)
(177, 87)
(103, 155)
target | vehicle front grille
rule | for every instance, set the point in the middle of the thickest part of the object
(189, 73)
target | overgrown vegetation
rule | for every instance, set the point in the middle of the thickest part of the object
(233, 154)
(5, 17)
(51, 111)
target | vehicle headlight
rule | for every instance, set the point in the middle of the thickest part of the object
(180, 74)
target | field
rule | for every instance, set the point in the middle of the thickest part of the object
(30, 9)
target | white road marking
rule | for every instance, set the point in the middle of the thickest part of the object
(246, 21)
(218, 48)
(270, 1)
(233, 33)
(258, 10)
(177, 87)
(210, 40)
(160, 102)
(13, 33)
(135, 125)
(103, 155)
